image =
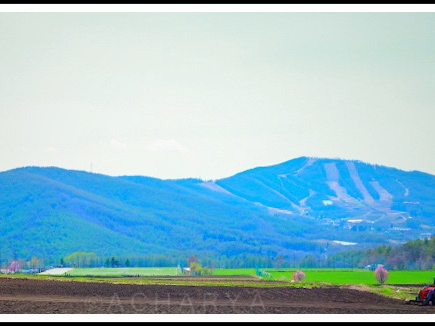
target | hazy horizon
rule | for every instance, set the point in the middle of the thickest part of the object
(208, 95)
(213, 179)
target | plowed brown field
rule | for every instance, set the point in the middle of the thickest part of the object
(52, 296)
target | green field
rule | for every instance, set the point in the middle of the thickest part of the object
(357, 276)
(337, 276)
(119, 272)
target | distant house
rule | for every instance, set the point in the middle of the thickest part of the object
(187, 271)
(30, 271)
(356, 224)
(372, 267)
(352, 222)
(424, 236)
(344, 243)
(401, 229)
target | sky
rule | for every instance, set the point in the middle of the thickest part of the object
(208, 95)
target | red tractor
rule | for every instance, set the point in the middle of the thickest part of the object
(426, 295)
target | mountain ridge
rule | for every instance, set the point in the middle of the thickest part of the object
(214, 179)
(297, 207)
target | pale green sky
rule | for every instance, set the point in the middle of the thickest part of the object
(207, 95)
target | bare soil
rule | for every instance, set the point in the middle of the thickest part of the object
(52, 296)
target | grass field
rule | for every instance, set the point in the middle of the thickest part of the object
(357, 276)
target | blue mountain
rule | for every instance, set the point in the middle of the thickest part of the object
(302, 206)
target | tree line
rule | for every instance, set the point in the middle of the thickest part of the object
(92, 260)
(416, 254)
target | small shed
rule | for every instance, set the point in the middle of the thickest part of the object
(187, 271)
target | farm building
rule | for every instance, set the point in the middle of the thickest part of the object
(424, 236)
(187, 271)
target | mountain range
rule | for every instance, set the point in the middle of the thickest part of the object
(303, 206)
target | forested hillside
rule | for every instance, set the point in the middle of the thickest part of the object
(416, 254)
(305, 206)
